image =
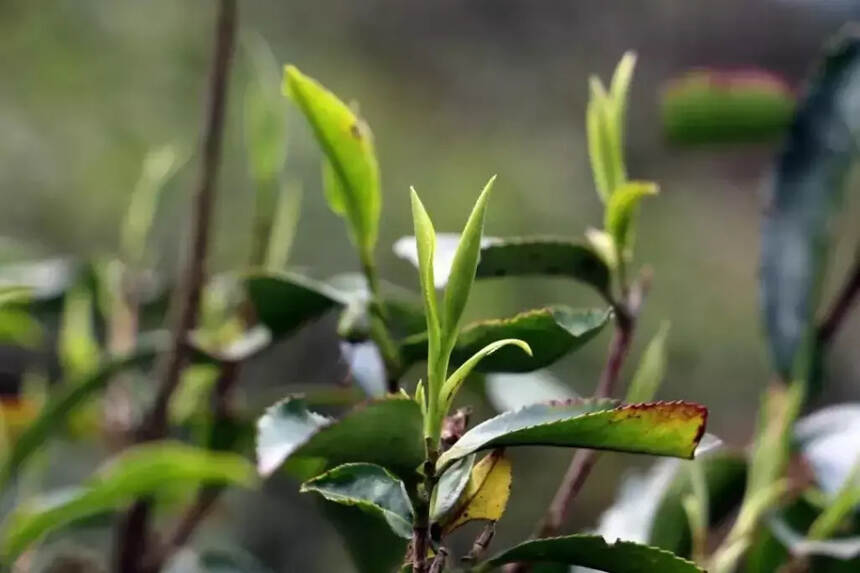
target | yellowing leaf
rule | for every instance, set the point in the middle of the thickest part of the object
(486, 494)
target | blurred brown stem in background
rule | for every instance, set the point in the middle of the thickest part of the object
(133, 534)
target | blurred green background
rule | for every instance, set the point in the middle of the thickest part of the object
(454, 92)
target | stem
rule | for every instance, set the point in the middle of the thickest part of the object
(421, 525)
(839, 311)
(379, 328)
(133, 533)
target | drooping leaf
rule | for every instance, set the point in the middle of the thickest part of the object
(72, 395)
(369, 487)
(450, 487)
(455, 380)
(543, 256)
(593, 551)
(347, 143)
(385, 432)
(712, 106)
(463, 270)
(140, 471)
(621, 211)
(514, 391)
(659, 428)
(285, 301)
(651, 370)
(806, 191)
(550, 332)
(486, 493)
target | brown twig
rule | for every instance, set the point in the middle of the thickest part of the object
(583, 461)
(482, 543)
(439, 562)
(842, 305)
(133, 536)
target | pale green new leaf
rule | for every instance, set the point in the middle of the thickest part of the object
(453, 383)
(264, 114)
(618, 91)
(596, 133)
(463, 269)
(347, 143)
(78, 347)
(621, 211)
(651, 370)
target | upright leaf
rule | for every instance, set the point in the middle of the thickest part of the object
(619, 90)
(660, 428)
(806, 191)
(600, 133)
(651, 370)
(425, 239)
(140, 471)
(347, 143)
(593, 551)
(370, 488)
(264, 115)
(463, 270)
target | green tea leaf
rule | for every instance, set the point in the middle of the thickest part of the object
(619, 91)
(599, 123)
(806, 192)
(453, 383)
(463, 268)
(550, 332)
(593, 551)
(543, 256)
(846, 500)
(651, 370)
(72, 395)
(284, 225)
(450, 488)
(347, 143)
(659, 428)
(621, 212)
(711, 106)
(139, 471)
(425, 238)
(370, 488)
(284, 301)
(385, 432)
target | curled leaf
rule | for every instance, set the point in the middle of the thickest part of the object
(486, 493)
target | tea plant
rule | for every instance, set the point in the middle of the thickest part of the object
(402, 467)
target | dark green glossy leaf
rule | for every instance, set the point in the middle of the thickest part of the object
(385, 432)
(543, 256)
(806, 191)
(72, 395)
(725, 476)
(139, 471)
(370, 488)
(660, 428)
(347, 142)
(593, 551)
(285, 301)
(726, 107)
(550, 332)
